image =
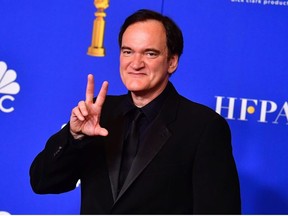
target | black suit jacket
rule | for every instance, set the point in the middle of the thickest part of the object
(184, 166)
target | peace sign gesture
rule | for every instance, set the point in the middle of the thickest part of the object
(85, 118)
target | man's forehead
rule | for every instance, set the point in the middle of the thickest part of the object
(148, 33)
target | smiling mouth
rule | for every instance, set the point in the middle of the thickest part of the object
(136, 73)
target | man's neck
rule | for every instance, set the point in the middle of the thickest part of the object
(141, 99)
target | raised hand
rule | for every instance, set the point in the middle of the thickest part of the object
(85, 118)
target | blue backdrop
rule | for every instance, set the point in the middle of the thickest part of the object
(234, 61)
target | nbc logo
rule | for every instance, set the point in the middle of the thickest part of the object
(8, 87)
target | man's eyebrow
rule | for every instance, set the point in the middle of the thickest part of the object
(152, 50)
(125, 47)
(146, 50)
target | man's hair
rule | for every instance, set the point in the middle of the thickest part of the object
(174, 35)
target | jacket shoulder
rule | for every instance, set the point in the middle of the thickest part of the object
(199, 109)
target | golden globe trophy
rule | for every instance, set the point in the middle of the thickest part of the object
(96, 48)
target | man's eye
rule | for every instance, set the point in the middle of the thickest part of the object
(152, 54)
(126, 52)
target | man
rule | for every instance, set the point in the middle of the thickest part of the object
(182, 162)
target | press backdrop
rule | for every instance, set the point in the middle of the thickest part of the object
(234, 61)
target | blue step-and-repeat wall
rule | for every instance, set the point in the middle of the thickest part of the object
(235, 61)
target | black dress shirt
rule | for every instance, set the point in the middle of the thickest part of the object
(150, 111)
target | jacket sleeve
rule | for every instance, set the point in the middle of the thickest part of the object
(57, 168)
(216, 185)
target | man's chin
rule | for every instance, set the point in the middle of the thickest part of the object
(135, 87)
(138, 91)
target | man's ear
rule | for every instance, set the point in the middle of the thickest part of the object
(173, 63)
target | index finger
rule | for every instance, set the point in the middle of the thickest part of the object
(90, 89)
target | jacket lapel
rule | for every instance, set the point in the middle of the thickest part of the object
(157, 136)
(148, 150)
(114, 151)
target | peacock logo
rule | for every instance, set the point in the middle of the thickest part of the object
(8, 87)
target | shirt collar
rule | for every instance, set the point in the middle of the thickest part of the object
(152, 109)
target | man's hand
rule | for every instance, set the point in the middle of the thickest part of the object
(85, 118)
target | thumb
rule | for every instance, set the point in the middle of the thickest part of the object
(103, 132)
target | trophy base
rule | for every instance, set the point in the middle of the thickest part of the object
(96, 51)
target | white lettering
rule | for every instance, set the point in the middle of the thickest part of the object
(243, 111)
(264, 109)
(2, 99)
(281, 113)
(230, 106)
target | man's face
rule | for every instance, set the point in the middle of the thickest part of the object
(144, 64)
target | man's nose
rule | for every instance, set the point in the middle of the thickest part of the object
(137, 62)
